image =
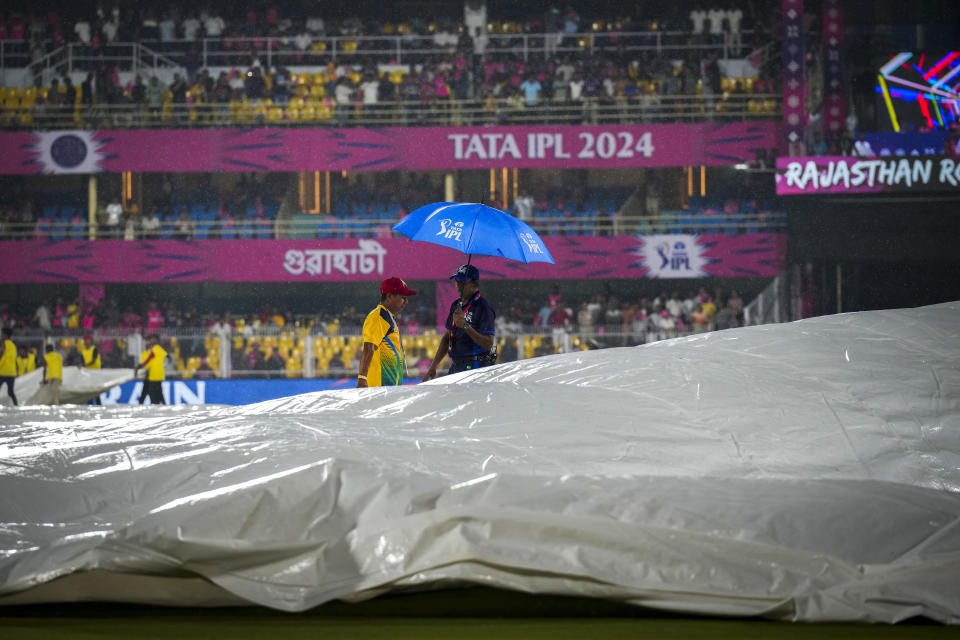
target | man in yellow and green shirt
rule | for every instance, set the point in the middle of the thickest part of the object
(153, 360)
(382, 362)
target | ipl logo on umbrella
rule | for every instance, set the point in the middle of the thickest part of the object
(532, 245)
(450, 232)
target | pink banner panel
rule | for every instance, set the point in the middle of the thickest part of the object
(358, 149)
(366, 259)
(842, 174)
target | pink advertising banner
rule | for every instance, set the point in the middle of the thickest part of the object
(368, 259)
(360, 149)
(889, 174)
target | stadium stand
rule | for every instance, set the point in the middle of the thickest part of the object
(122, 69)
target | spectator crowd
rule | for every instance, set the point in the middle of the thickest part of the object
(244, 72)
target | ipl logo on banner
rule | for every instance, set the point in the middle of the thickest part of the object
(673, 256)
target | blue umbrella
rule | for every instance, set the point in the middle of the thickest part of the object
(475, 229)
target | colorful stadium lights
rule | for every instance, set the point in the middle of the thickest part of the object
(936, 108)
(947, 59)
(895, 62)
(905, 94)
(920, 87)
(925, 110)
(886, 98)
(947, 77)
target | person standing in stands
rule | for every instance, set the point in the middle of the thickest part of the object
(470, 327)
(8, 363)
(153, 360)
(91, 358)
(52, 376)
(382, 362)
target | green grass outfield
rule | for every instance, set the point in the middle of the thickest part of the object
(479, 613)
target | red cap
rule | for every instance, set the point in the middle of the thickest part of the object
(396, 285)
(88, 337)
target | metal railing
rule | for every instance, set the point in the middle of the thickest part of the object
(304, 112)
(307, 351)
(128, 56)
(328, 226)
(393, 49)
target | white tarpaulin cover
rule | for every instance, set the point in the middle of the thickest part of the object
(79, 385)
(800, 471)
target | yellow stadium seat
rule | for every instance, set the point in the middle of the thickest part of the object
(274, 114)
(350, 46)
(14, 92)
(301, 90)
(355, 77)
(318, 47)
(292, 113)
(318, 91)
(396, 76)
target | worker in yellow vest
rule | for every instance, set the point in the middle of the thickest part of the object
(153, 361)
(90, 353)
(52, 376)
(91, 359)
(8, 362)
(26, 361)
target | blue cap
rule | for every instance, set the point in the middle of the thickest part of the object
(466, 272)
